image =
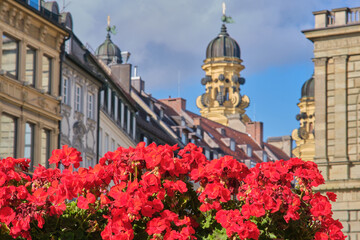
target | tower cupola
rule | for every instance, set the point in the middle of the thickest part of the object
(108, 51)
(222, 101)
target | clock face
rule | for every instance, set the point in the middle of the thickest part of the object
(303, 133)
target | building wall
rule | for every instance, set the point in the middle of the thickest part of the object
(32, 105)
(79, 122)
(336, 40)
(111, 136)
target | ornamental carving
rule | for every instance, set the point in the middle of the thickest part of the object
(43, 33)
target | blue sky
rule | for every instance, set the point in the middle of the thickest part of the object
(168, 39)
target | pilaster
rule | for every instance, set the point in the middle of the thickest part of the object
(340, 66)
(320, 106)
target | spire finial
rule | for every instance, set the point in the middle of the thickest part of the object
(224, 18)
(110, 29)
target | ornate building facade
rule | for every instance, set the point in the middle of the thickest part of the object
(336, 39)
(32, 37)
(80, 89)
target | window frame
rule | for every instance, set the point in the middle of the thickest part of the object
(34, 68)
(49, 74)
(17, 61)
(78, 98)
(90, 111)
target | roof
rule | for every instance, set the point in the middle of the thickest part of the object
(223, 46)
(307, 89)
(277, 151)
(239, 138)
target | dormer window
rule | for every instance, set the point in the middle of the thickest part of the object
(198, 131)
(184, 138)
(265, 157)
(232, 145)
(183, 123)
(249, 151)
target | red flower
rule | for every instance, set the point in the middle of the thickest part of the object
(66, 156)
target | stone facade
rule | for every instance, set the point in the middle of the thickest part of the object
(29, 81)
(336, 39)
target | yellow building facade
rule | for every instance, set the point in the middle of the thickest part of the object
(29, 81)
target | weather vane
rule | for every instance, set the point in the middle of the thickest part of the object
(224, 18)
(109, 28)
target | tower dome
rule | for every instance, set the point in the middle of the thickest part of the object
(307, 89)
(108, 52)
(223, 46)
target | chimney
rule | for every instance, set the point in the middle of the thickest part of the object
(255, 129)
(136, 82)
(178, 104)
(197, 121)
(122, 73)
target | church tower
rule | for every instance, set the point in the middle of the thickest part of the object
(222, 101)
(304, 135)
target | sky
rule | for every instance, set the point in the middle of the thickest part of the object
(168, 39)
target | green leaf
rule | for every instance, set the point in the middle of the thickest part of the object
(272, 235)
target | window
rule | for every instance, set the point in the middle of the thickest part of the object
(109, 101)
(102, 95)
(207, 153)
(46, 74)
(100, 143)
(45, 147)
(252, 164)
(112, 144)
(116, 108)
(29, 143)
(249, 151)
(7, 136)
(10, 56)
(147, 117)
(183, 122)
(119, 111)
(65, 92)
(232, 145)
(30, 65)
(227, 94)
(161, 113)
(78, 98)
(145, 140)
(265, 157)
(90, 106)
(106, 147)
(131, 122)
(112, 110)
(34, 3)
(125, 116)
(184, 138)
